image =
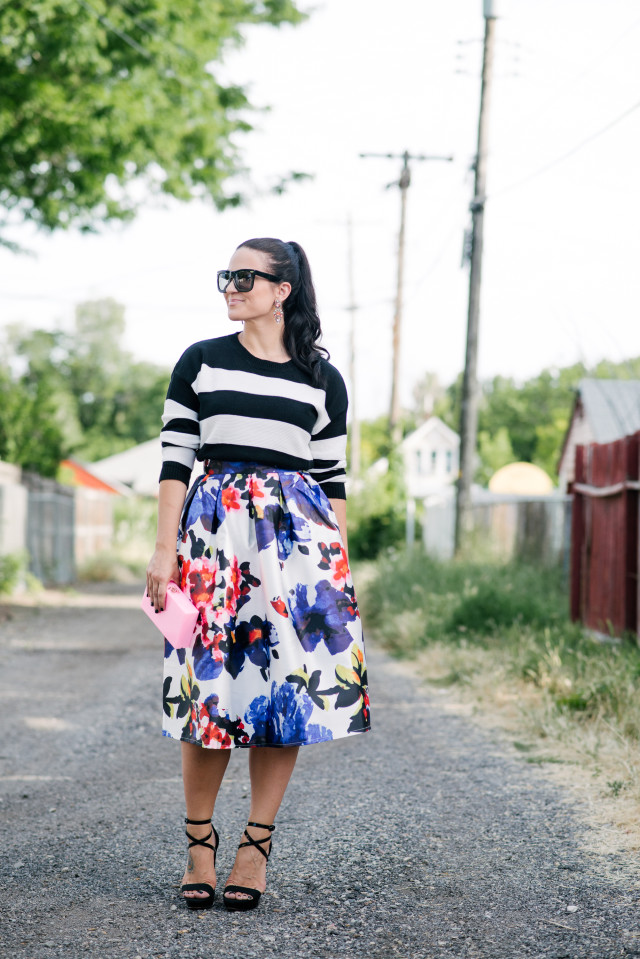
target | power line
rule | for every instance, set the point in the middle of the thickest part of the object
(565, 156)
(126, 38)
(119, 33)
(588, 69)
(403, 183)
(444, 248)
(156, 35)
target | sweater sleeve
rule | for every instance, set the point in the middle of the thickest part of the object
(181, 426)
(329, 445)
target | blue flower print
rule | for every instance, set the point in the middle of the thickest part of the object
(311, 500)
(326, 620)
(207, 661)
(206, 506)
(282, 526)
(253, 641)
(257, 716)
(284, 718)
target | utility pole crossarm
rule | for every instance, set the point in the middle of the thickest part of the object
(405, 156)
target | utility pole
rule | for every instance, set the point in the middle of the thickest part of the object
(355, 423)
(404, 183)
(469, 410)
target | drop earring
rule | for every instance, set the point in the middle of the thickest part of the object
(278, 315)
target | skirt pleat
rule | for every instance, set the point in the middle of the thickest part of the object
(278, 657)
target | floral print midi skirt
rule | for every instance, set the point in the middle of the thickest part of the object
(278, 658)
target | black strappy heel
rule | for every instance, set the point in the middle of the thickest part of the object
(241, 905)
(200, 902)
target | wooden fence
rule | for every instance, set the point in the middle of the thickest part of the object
(604, 536)
(508, 527)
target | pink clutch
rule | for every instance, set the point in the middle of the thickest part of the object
(177, 621)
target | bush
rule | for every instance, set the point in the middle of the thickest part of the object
(376, 514)
(513, 595)
(456, 599)
(12, 568)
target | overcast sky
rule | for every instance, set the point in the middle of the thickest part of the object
(560, 277)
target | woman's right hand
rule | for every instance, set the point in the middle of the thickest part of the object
(162, 569)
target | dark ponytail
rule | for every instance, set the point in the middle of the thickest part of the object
(302, 330)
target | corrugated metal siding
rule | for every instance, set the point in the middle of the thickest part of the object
(50, 529)
(612, 407)
(604, 546)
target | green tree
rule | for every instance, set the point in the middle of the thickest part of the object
(82, 386)
(375, 438)
(31, 435)
(535, 415)
(376, 516)
(494, 452)
(98, 96)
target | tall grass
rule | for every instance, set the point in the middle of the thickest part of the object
(509, 621)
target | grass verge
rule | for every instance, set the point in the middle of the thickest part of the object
(499, 637)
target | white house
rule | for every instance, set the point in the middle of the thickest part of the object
(137, 468)
(431, 456)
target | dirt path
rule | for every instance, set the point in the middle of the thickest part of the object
(425, 839)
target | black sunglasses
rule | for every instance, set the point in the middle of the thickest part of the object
(242, 279)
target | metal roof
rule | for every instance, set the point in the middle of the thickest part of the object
(612, 407)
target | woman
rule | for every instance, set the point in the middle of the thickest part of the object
(278, 659)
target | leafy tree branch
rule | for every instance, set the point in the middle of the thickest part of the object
(100, 98)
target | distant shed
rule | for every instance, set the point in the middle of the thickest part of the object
(137, 468)
(80, 475)
(604, 411)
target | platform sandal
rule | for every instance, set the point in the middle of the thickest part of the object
(200, 902)
(241, 905)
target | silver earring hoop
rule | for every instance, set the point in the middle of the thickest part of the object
(278, 314)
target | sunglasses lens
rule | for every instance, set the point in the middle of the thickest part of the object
(243, 280)
(223, 280)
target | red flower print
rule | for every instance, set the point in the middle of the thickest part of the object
(212, 733)
(339, 564)
(230, 498)
(334, 558)
(256, 487)
(234, 588)
(185, 566)
(280, 606)
(201, 581)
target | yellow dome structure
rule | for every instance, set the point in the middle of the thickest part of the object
(521, 479)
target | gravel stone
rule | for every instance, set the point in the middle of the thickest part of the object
(424, 839)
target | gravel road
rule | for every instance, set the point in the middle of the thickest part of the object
(424, 839)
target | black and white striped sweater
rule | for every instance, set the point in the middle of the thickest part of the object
(224, 403)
